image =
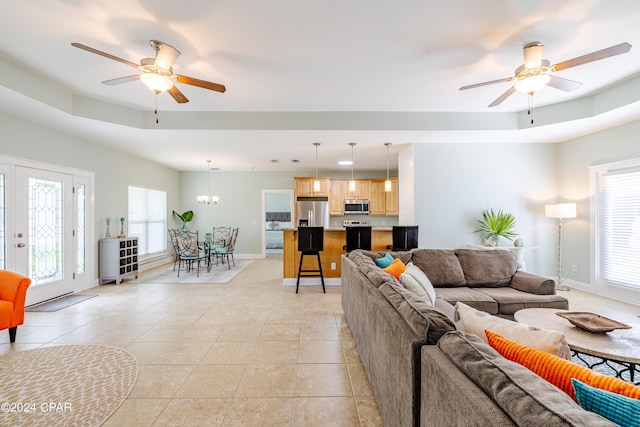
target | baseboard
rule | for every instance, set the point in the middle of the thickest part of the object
(312, 281)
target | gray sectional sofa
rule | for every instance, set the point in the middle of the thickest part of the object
(423, 371)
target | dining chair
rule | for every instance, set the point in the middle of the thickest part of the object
(219, 240)
(226, 251)
(173, 236)
(190, 251)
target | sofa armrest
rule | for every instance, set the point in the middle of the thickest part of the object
(13, 288)
(532, 283)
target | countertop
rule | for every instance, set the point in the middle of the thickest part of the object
(373, 228)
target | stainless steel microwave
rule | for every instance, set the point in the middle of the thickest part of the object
(360, 207)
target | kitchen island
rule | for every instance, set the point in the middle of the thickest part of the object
(334, 242)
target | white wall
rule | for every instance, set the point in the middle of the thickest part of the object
(240, 203)
(455, 182)
(574, 159)
(114, 170)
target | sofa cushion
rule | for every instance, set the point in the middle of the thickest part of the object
(520, 393)
(417, 282)
(405, 256)
(533, 284)
(475, 322)
(487, 268)
(469, 296)
(367, 266)
(558, 371)
(426, 320)
(620, 409)
(440, 265)
(510, 300)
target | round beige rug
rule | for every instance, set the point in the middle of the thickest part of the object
(71, 385)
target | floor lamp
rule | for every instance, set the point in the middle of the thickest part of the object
(560, 211)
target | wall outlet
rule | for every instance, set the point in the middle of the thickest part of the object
(333, 265)
(574, 268)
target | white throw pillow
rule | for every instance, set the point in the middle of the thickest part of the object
(414, 278)
(475, 322)
(411, 284)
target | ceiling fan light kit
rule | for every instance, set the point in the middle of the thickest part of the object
(157, 73)
(156, 82)
(532, 84)
(536, 72)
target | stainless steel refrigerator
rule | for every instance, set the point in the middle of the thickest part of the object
(312, 212)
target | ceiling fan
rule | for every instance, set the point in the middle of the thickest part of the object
(535, 73)
(157, 73)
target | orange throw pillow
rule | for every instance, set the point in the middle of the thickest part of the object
(396, 268)
(558, 371)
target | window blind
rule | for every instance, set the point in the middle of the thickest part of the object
(619, 227)
(148, 219)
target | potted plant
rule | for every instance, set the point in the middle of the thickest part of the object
(185, 218)
(495, 224)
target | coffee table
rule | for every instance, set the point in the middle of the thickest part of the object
(618, 349)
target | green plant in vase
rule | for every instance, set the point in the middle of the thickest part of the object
(185, 218)
(495, 224)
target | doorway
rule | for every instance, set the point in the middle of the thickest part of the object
(277, 215)
(44, 214)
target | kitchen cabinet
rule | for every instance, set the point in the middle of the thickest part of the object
(337, 190)
(392, 199)
(304, 187)
(382, 202)
(377, 198)
(362, 190)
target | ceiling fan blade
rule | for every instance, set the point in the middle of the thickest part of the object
(105, 54)
(533, 55)
(593, 56)
(166, 56)
(563, 84)
(177, 95)
(121, 80)
(491, 82)
(504, 96)
(201, 83)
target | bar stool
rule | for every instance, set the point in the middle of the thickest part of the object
(358, 237)
(404, 237)
(310, 242)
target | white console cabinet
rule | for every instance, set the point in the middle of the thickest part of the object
(118, 259)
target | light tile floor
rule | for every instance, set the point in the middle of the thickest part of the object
(250, 352)
(247, 353)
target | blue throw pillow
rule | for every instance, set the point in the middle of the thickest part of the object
(385, 261)
(620, 409)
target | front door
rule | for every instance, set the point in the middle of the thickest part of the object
(43, 237)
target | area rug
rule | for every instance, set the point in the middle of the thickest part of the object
(218, 274)
(70, 385)
(60, 303)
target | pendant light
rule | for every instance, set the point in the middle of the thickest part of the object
(316, 182)
(352, 183)
(387, 183)
(208, 199)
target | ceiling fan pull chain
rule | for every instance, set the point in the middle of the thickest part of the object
(530, 111)
(156, 110)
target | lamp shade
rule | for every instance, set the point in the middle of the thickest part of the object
(156, 82)
(533, 83)
(560, 210)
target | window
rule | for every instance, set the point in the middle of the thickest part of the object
(148, 219)
(618, 224)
